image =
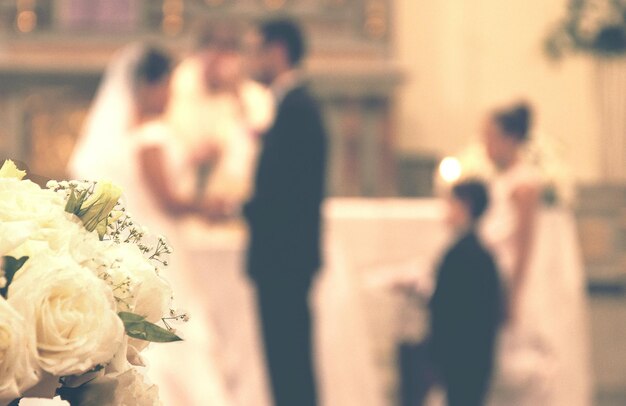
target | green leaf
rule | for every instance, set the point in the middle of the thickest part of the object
(138, 327)
(101, 228)
(75, 201)
(11, 266)
(130, 317)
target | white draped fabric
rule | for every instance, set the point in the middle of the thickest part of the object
(355, 325)
(544, 348)
(545, 359)
(358, 319)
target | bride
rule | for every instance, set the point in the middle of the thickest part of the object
(543, 355)
(126, 140)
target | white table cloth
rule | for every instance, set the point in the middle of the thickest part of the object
(367, 242)
(354, 322)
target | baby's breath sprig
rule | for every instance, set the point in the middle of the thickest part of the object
(161, 251)
(77, 188)
(121, 289)
(175, 316)
(121, 227)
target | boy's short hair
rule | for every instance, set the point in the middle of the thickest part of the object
(473, 194)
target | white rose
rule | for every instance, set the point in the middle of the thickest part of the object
(72, 314)
(148, 294)
(24, 200)
(153, 294)
(126, 388)
(88, 251)
(38, 215)
(136, 284)
(54, 237)
(14, 233)
(18, 368)
(133, 390)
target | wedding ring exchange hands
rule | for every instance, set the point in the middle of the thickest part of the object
(212, 209)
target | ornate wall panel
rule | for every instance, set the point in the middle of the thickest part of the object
(52, 53)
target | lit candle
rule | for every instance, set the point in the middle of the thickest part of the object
(450, 169)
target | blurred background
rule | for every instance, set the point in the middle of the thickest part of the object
(403, 84)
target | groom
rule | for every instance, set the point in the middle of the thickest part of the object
(284, 215)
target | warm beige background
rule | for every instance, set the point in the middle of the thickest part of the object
(463, 57)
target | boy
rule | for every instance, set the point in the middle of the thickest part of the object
(466, 308)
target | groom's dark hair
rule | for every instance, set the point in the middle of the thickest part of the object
(153, 66)
(289, 34)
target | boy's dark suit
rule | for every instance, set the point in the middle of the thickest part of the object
(466, 311)
(284, 217)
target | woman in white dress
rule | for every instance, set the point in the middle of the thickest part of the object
(126, 141)
(215, 104)
(543, 350)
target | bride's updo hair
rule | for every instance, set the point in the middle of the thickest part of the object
(515, 121)
(153, 66)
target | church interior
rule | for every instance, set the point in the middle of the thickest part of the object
(403, 84)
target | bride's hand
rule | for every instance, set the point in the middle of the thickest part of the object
(207, 152)
(217, 210)
(179, 208)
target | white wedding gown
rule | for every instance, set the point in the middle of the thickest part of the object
(543, 353)
(108, 149)
(202, 383)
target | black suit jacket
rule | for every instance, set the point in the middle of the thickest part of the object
(284, 214)
(466, 308)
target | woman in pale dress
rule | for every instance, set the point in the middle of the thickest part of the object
(543, 350)
(126, 140)
(214, 104)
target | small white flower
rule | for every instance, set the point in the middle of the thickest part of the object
(52, 184)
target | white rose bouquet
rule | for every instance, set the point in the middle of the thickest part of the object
(80, 294)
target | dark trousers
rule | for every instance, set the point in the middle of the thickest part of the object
(465, 379)
(417, 373)
(466, 386)
(286, 327)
